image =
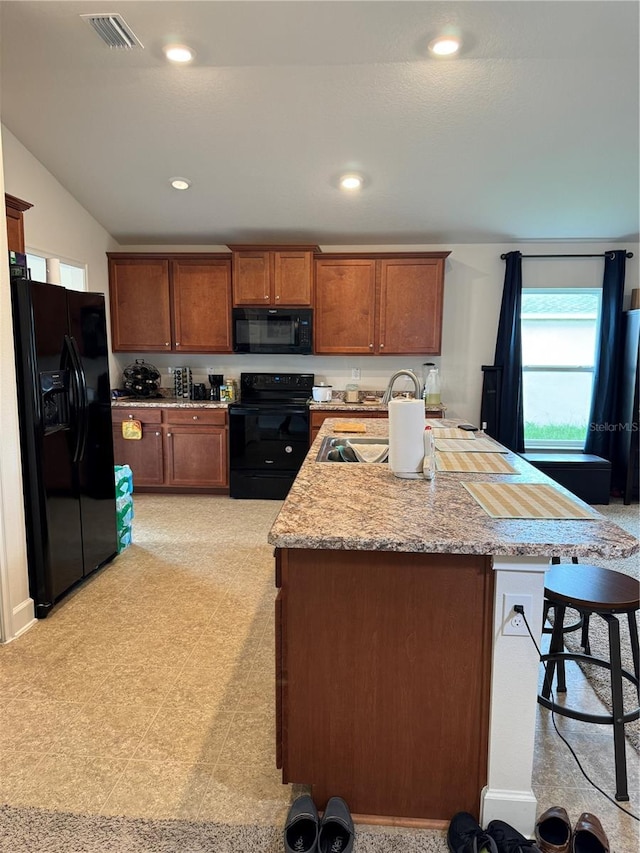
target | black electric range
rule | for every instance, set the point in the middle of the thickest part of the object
(268, 434)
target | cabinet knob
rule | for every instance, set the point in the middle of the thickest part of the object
(177, 343)
(195, 417)
(157, 433)
(370, 346)
(168, 435)
(277, 297)
(130, 417)
(266, 296)
(167, 344)
(381, 346)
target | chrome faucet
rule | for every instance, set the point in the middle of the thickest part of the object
(411, 375)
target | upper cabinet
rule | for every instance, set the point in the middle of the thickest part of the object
(274, 275)
(164, 303)
(380, 304)
(14, 208)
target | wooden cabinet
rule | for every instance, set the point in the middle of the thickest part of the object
(196, 448)
(366, 645)
(317, 418)
(14, 208)
(381, 304)
(170, 303)
(180, 449)
(144, 456)
(274, 275)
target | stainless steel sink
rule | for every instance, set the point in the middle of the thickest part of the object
(330, 447)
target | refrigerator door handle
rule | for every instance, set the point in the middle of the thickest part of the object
(83, 403)
(75, 396)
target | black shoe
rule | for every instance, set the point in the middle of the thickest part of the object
(301, 827)
(509, 840)
(465, 835)
(336, 828)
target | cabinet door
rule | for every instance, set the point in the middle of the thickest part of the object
(196, 456)
(143, 456)
(140, 306)
(251, 278)
(410, 306)
(292, 278)
(14, 208)
(201, 293)
(345, 319)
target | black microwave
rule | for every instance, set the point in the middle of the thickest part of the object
(273, 330)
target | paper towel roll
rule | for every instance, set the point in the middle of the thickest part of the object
(406, 442)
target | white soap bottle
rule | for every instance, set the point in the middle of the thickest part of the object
(429, 461)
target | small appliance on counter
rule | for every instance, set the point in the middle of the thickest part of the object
(182, 382)
(141, 379)
(216, 380)
(322, 393)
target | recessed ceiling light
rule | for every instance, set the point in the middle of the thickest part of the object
(180, 183)
(350, 182)
(445, 45)
(178, 53)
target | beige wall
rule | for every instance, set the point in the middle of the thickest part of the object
(58, 226)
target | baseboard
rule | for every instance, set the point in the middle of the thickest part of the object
(23, 617)
(517, 808)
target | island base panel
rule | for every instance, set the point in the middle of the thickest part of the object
(384, 677)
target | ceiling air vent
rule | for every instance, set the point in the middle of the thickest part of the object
(113, 30)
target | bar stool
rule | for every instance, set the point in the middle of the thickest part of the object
(592, 590)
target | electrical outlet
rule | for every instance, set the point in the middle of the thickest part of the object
(169, 370)
(355, 373)
(513, 623)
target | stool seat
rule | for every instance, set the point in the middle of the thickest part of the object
(593, 591)
(593, 588)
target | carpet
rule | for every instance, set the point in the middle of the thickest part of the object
(628, 518)
(25, 830)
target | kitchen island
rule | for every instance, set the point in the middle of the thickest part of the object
(397, 687)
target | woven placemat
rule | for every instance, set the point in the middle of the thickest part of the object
(452, 432)
(480, 445)
(525, 500)
(481, 463)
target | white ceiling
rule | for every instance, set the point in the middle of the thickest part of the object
(532, 133)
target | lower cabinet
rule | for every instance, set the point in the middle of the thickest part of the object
(179, 448)
(318, 418)
(145, 455)
(196, 448)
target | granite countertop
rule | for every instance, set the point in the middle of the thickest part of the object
(341, 406)
(167, 403)
(359, 507)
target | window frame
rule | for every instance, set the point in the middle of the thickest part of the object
(68, 262)
(550, 443)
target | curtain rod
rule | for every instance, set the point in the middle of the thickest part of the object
(603, 255)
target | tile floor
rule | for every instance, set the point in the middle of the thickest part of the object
(149, 691)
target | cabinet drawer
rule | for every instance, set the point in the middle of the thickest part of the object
(147, 416)
(215, 417)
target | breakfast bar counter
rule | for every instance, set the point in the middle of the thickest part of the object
(400, 686)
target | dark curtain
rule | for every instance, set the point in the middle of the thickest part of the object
(608, 355)
(510, 421)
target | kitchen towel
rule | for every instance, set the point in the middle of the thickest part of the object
(481, 463)
(526, 500)
(406, 441)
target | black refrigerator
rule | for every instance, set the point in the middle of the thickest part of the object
(64, 404)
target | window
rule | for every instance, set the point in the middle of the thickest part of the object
(72, 276)
(559, 333)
